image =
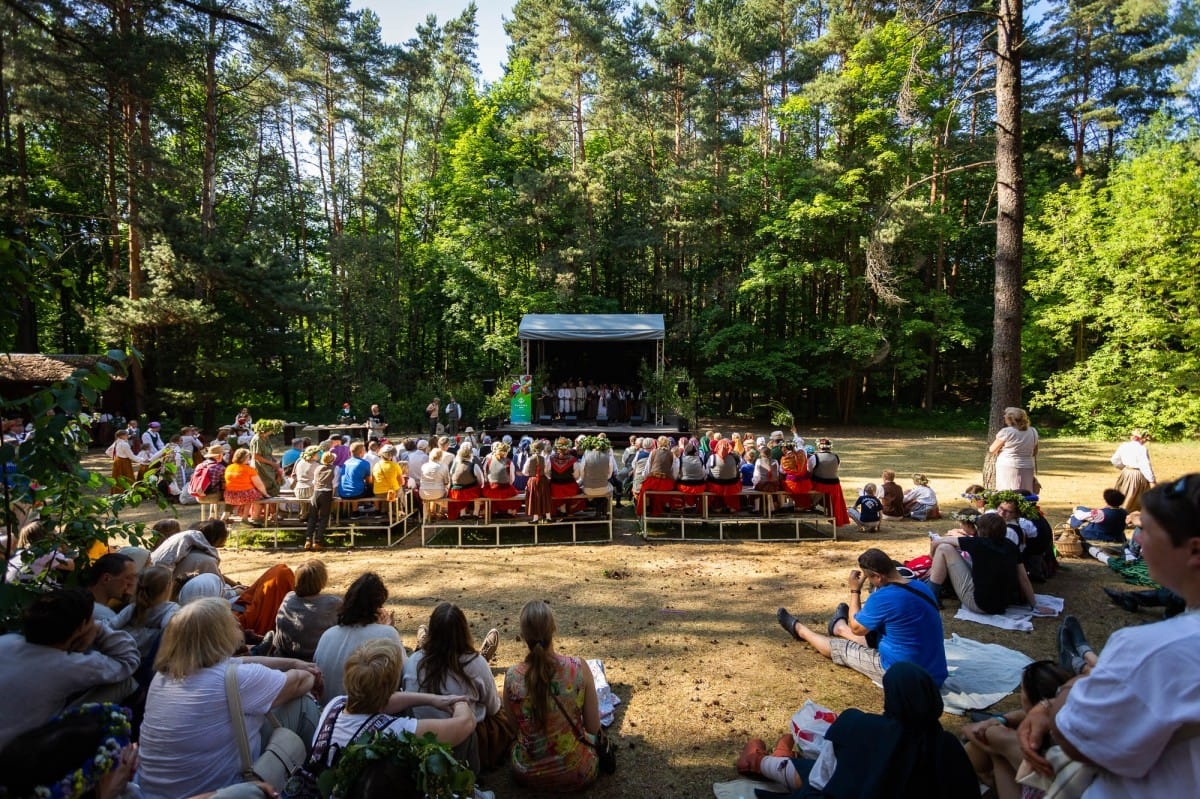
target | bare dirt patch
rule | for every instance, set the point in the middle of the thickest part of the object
(687, 631)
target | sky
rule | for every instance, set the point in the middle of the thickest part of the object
(399, 20)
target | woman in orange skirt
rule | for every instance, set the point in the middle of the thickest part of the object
(793, 466)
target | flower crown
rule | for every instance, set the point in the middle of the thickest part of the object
(106, 758)
(268, 427)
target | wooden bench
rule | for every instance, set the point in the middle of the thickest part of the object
(765, 515)
(496, 525)
(394, 513)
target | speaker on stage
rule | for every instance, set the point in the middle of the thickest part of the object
(571, 419)
(682, 388)
(489, 386)
(635, 421)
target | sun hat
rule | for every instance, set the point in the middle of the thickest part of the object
(215, 451)
(155, 425)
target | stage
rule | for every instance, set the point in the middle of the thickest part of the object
(618, 433)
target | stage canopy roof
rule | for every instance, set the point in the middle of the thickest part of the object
(592, 327)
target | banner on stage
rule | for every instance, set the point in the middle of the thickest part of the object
(521, 410)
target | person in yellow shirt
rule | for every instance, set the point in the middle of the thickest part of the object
(388, 474)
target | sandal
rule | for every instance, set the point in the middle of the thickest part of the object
(750, 761)
(788, 622)
(842, 613)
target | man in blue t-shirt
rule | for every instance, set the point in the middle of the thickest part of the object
(900, 620)
(356, 474)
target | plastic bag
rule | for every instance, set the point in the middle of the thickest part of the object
(809, 725)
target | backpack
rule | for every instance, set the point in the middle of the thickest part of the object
(202, 482)
(306, 781)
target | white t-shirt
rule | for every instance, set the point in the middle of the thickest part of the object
(1018, 447)
(348, 725)
(1123, 715)
(482, 685)
(187, 739)
(335, 647)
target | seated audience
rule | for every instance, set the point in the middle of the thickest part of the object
(920, 502)
(900, 620)
(552, 698)
(902, 753)
(361, 618)
(146, 617)
(187, 741)
(387, 475)
(1102, 524)
(993, 580)
(823, 467)
(1134, 715)
(244, 488)
(446, 663)
(355, 481)
(61, 655)
(992, 743)
(724, 480)
(867, 510)
(891, 496)
(112, 579)
(660, 471)
(35, 559)
(305, 613)
(371, 702)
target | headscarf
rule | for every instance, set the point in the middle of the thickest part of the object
(201, 586)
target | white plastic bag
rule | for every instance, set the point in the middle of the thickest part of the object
(809, 725)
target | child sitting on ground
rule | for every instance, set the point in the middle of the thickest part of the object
(867, 510)
(920, 502)
(1103, 524)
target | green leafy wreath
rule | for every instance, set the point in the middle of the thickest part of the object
(432, 765)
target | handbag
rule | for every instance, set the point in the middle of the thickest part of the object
(495, 736)
(603, 745)
(285, 752)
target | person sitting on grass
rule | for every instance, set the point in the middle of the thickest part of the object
(995, 577)
(902, 753)
(898, 622)
(891, 495)
(991, 742)
(1139, 733)
(1102, 524)
(867, 510)
(920, 502)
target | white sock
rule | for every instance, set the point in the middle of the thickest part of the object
(782, 771)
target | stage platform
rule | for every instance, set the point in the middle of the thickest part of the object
(616, 432)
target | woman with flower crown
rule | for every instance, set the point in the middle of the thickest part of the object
(562, 478)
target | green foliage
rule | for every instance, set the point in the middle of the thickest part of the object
(1115, 293)
(44, 479)
(435, 772)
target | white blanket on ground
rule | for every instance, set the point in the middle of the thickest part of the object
(980, 674)
(607, 699)
(1016, 617)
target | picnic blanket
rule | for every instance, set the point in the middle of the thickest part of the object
(980, 674)
(744, 788)
(607, 699)
(1016, 617)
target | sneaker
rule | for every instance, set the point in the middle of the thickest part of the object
(1066, 645)
(422, 635)
(491, 642)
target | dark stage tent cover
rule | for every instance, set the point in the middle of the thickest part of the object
(544, 336)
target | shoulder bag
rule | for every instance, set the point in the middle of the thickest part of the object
(604, 746)
(285, 752)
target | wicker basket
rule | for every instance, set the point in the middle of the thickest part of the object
(1069, 543)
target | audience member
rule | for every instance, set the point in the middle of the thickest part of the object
(361, 618)
(305, 613)
(867, 510)
(553, 700)
(61, 655)
(898, 622)
(112, 579)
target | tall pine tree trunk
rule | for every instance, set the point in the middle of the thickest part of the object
(1010, 223)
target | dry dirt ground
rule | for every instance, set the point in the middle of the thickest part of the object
(687, 631)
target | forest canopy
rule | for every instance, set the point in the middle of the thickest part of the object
(274, 206)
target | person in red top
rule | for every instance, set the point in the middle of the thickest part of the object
(793, 466)
(562, 478)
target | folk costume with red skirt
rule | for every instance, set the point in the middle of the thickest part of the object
(825, 479)
(693, 479)
(796, 480)
(724, 477)
(499, 486)
(661, 468)
(465, 487)
(562, 481)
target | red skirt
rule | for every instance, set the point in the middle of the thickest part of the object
(726, 494)
(502, 491)
(657, 504)
(691, 490)
(460, 498)
(799, 489)
(537, 497)
(564, 491)
(835, 501)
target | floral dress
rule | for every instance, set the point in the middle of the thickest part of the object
(550, 756)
